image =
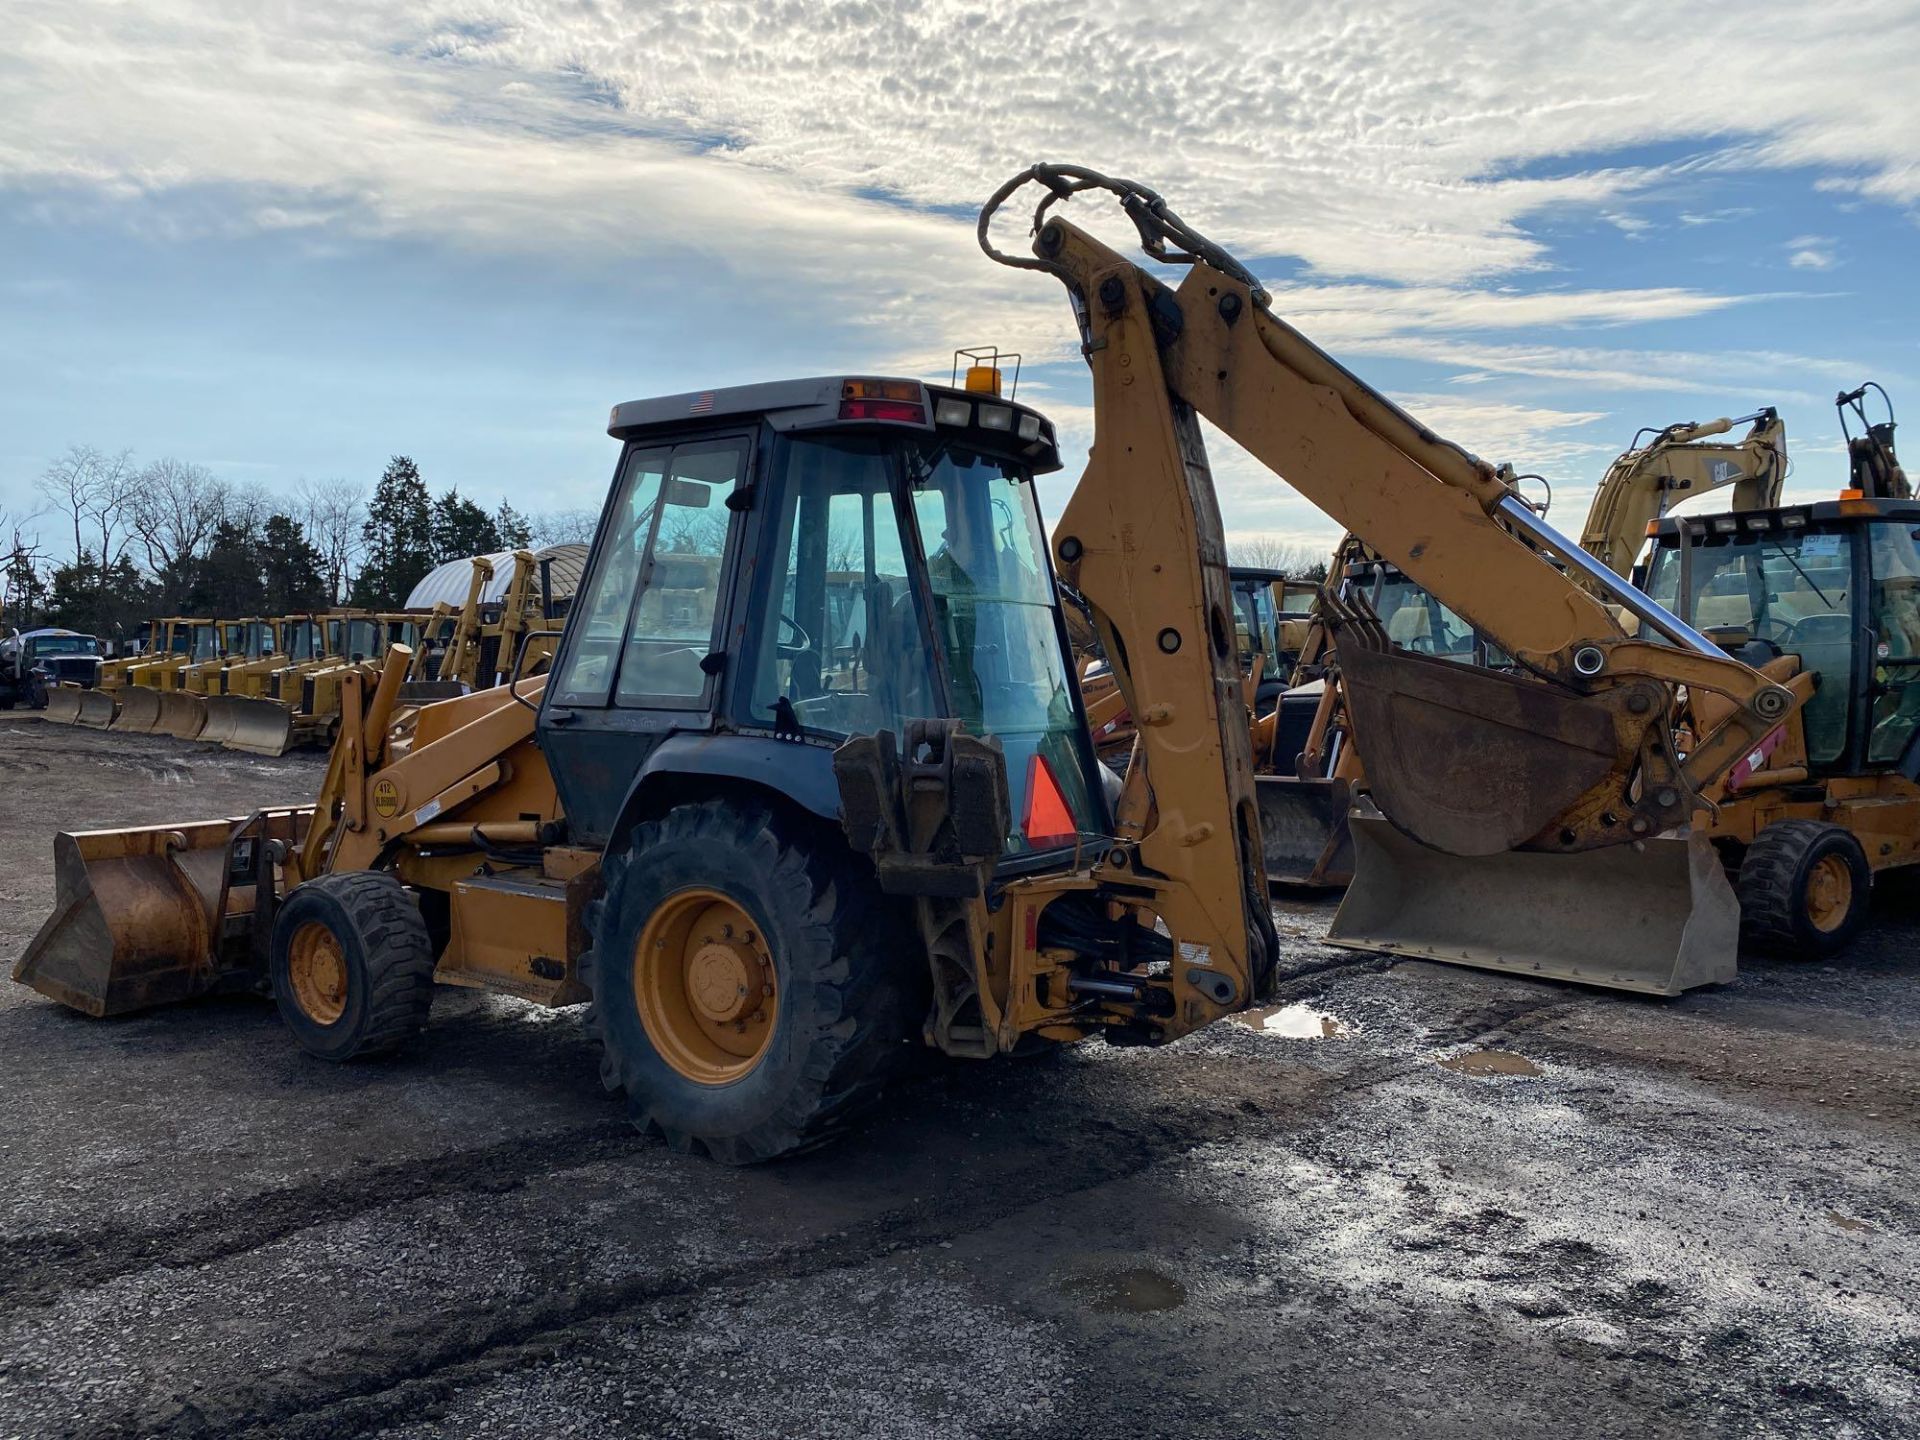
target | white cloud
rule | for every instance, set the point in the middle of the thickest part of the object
(1811, 252)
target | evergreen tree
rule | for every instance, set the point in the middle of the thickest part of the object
(290, 567)
(228, 581)
(515, 529)
(110, 606)
(399, 538)
(461, 528)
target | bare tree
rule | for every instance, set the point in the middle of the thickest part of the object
(94, 492)
(563, 527)
(1270, 552)
(175, 511)
(331, 512)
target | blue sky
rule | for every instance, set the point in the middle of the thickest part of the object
(289, 245)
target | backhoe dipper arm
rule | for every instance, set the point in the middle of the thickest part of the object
(1588, 758)
(1677, 465)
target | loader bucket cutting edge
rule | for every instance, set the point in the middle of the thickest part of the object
(63, 705)
(1303, 830)
(1658, 918)
(182, 714)
(132, 923)
(139, 710)
(97, 709)
(259, 727)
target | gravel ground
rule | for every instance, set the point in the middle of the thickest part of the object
(1413, 1201)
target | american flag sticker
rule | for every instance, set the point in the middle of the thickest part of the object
(702, 405)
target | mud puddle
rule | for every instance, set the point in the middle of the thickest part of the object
(1491, 1062)
(1138, 1290)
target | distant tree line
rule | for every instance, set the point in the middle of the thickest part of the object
(1290, 558)
(114, 543)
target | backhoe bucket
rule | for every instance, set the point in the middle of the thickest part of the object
(97, 709)
(1656, 917)
(1303, 830)
(139, 709)
(1472, 761)
(259, 727)
(134, 918)
(182, 714)
(63, 705)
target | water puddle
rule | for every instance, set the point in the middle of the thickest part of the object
(1847, 1222)
(1295, 1022)
(1136, 1291)
(1491, 1062)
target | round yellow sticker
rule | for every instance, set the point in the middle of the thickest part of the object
(386, 798)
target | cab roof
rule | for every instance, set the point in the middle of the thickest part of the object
(816, 403)
(1789, 517)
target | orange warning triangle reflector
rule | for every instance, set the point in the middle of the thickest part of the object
(1048, 821)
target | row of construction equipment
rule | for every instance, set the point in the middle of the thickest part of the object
(267, 685)
(810, 775)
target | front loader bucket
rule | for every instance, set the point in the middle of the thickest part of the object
(133, 919)
(259, 727)
(139, 709)
(63, 705)
(1303, 830)
(97, 709)
(1657, 917)
(182, 714)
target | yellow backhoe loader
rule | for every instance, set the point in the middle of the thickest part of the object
(776, 833)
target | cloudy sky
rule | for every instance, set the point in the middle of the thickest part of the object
(290, 240)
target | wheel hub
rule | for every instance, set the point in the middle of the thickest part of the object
(1829, 892)
(317, 969)
(705, 985)
(718, 981)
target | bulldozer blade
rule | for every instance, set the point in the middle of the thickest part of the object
(1657, 917)
(1468, 760)
(139, 709)
(223, 713)
(97, 709)
(134, 918)
(1303, 830)
(182, 714)
(259, 727)
(63, 705)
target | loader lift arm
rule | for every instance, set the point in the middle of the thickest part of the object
(1574, 755)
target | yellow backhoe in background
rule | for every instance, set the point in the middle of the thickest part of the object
(779, 825)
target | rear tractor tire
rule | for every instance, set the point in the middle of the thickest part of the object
(752, 988)
(351, 964)
(1804, 888)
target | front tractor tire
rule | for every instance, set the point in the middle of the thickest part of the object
(1804, 888)
(351, 965)
(752, 989)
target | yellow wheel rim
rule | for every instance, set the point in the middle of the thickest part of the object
(317, 970)
(704, 982)
(1829, 893)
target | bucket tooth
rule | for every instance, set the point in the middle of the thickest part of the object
(139, 709)
(1658, 917)
(1303, 830)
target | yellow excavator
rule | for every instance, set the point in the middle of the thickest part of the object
(777, 828)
